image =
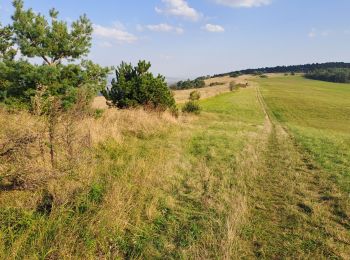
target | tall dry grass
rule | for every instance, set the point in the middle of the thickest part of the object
(25, 146)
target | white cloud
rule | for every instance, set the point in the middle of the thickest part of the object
(213, 28)
(244, 3)
(117, 32)
(179, 8)
(163, 27)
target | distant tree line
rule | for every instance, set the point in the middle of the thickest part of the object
(338, 75)
(188, 84)
(288, 69)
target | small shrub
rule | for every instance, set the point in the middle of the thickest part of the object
(233, 86)
(98, 113)
(191, 107)
(174, 112)
(263, 76)
(195, 95)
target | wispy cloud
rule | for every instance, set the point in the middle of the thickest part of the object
(162, 27)
(178, 8)
(117, 32)
(213, 28)
(318, 33)
(312, 33)
(243, 3)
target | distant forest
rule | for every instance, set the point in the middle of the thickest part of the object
(307, 68)
(338, 75)
(331, 71)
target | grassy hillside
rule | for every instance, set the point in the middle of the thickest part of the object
(153, 188)
(317, 113)
(260, 173)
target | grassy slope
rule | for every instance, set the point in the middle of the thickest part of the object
(318, 115)
(298, 208)
(166, 194)
(228, 184)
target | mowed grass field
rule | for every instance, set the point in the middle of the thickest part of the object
(261, 173)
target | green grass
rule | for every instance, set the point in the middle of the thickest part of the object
(317, 113)
(226, 184)
(165, 195)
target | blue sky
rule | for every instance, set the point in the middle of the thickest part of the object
(188, 38)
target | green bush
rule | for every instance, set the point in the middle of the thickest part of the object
(98, 113)
(191, 107)
(195, 95)
(136, 86)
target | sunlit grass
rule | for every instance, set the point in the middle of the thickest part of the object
(318, 115)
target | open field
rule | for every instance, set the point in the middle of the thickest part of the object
(262, 172)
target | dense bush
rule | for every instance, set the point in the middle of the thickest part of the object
(332, 75)
(195, 95)
(135, 86)
(191, 107)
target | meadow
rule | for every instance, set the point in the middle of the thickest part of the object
(317, 113)
(262, 172)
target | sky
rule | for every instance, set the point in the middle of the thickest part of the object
(190, 38)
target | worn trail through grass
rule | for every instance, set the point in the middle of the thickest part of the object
(296, 209)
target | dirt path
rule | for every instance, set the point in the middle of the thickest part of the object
(295, 210)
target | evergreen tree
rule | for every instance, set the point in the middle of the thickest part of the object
(134, 86)
(63, 72)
